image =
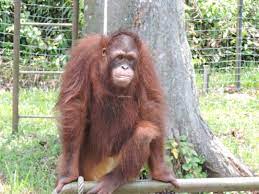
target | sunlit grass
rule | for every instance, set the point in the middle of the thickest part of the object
(219, 79)
(234, 118)
(28, 159)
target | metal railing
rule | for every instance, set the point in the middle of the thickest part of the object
(186, 185)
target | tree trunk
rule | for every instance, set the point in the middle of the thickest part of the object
(161, 24)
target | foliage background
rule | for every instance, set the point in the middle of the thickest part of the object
(216, 22)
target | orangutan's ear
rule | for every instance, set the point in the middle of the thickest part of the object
(104, 52)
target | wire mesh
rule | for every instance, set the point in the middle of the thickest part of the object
(6, 46)
(45, 47)
(46, 36)
(213, 41)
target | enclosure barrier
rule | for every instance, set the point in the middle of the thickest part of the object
(16, 58)
(16, 61)
(239, 44)
(186, 185)
(206, 73)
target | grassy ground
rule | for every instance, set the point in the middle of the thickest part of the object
(28, 159)
(235, 119)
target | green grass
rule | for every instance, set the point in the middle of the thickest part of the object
(235, 119)
(226, 77)
(28, 159)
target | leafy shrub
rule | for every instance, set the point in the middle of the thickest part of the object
(42, 47)
(186, 162)
(212, 24)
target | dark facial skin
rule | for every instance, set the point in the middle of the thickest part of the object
(123, 55)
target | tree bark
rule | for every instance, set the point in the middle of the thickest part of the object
(161, 24)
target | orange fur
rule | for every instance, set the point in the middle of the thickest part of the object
(99, 123)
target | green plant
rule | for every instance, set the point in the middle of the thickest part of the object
(41, 47)
(187, 163)
(212, 32)
(144, 173)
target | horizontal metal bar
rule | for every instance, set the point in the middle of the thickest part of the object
(37, 117)
(49, 6)
(46, 24)
(41, 72)
(32, 46)
(186, 185)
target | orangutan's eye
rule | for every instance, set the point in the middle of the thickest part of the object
(120, 57)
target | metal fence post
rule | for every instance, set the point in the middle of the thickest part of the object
(75, 21)
(239, 44)
(16, 61)
(206, 73)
